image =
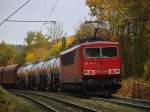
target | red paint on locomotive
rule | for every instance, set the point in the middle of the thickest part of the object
(91, 64)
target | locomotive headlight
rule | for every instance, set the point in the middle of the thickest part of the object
(85, 72)
(114, 71)
(117, 71)
(89, 72)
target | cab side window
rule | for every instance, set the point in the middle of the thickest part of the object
(68, 58)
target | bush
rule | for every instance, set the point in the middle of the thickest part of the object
(130, 90)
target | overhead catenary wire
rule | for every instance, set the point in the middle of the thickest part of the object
(26, 24)
(50, 13)
(73, 12)
(53, 8)
(12, 20)
(15, 12)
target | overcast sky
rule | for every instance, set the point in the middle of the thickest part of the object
(69, 12)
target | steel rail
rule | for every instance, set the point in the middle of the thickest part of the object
(139, 101)
(46, 107)
(62, 101)
(128, 102)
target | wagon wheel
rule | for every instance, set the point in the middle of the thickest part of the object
(54, 83)
(53, 86)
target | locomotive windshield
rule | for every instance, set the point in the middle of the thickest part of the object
(109, 52)
(92, 52)
(100, 52)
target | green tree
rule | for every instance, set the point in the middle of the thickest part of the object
(36, 40)
(7, 54)
(20, 57)
(84, 31)
(37, 46)
(58, 46)
(91, 30)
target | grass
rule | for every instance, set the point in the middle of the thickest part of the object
(11, 103)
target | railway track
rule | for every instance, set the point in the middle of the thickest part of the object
(57, 105)
(141, 104)
(43, 105)
(138, 103)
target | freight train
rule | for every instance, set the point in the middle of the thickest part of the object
(90, 67)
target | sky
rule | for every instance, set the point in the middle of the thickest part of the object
(70, 13)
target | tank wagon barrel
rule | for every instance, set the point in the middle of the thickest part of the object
(28, 76)
(21, 77)
(36, 73)
(53, 72)
(9, 76)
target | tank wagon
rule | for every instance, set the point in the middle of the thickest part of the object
(21, 78)
(49, 74)
(41, 75)
(37, 75)
(9, 76)
(53, 73)
(29, 77)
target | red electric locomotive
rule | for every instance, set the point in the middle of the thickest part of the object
(93, 67)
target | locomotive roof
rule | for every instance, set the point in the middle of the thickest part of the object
(88, 43)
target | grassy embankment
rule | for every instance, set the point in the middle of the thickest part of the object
(127, 89)
(11, 103)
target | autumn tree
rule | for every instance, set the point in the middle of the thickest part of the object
(37, 46)
(58, 46)
(127, 21)
(7, 54)
(36, 40)
(20, 57)
(84, 31)
(92, 30)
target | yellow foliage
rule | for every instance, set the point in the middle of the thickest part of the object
(147, 26)
(11, 61)
(108, 9)
(30, 57)
(40, 53)
(7, 54)
(37, 54)
(146, 68)
(84, 31)
(70, 40)
(57, 46)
